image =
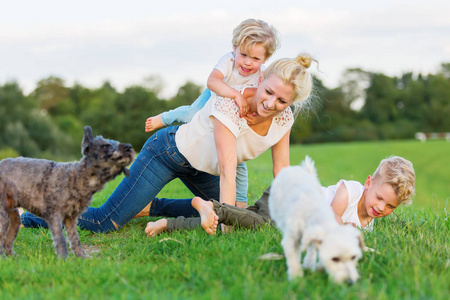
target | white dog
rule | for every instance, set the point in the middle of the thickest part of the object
(299, 209)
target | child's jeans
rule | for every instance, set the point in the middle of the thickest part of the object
(241, 183)
(183, 114)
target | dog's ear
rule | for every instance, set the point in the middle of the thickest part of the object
(88, 137)
(126, 172)
(361, 240)
(313, 235)
(359, 236)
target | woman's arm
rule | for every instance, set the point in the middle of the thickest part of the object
(280, 154)
(226, 153)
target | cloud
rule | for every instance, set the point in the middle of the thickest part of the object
(185, 43)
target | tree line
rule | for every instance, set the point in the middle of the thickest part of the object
(49, 121)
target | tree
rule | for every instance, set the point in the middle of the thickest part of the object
(186, 95)
(381, 99)
(25, 129)
(98, 110)
(134, 106)
(52, 96)
(354, 83)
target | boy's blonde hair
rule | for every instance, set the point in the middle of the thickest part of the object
(399, 173)
(253, 32)
(294, 71)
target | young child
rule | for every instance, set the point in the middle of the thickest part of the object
(254, 41)
(391, 185)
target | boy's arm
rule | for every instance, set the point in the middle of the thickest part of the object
(340, 202)
(216, 84)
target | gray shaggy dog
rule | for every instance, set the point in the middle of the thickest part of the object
(58, 192)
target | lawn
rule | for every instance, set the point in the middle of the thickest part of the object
(411, 259)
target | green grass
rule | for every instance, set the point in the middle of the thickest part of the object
(412, 259)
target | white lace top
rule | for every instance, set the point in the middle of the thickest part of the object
(195, 140)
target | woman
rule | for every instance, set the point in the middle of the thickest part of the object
(204, 153)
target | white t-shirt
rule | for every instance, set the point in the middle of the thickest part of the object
(355, 191)
(195, 140)
(231, 74)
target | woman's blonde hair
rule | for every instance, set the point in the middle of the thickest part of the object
(253, 32)
(294, 71)
(398, 173)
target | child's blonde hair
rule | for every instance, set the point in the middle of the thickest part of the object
(294, 71)
(253, 32)
(399, 173)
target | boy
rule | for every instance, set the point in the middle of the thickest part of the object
(392, 184)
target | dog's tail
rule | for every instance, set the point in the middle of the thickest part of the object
(308, 165)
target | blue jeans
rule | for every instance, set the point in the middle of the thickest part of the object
(158, 163)
(164, 207)
(183, 114)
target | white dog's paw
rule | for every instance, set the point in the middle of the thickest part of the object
(294, 273)
(309, 264)
(310, 260)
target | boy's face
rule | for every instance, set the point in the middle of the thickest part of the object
(249, 62)
(380, 199)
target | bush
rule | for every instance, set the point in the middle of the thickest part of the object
(8, 152)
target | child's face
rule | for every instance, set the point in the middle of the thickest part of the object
(249, 62)
(380, 199)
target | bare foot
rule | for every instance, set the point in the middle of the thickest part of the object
(20, 210)
(209, 218)
(155, 228)
(145, 212)
(241, 204)
(226, 228)
(153, 123)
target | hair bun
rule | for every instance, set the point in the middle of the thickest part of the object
(304, 60)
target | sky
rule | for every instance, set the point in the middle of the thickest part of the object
(126, 42)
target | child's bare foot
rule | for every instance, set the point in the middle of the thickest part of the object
(153, 123)
(155, 228)
(145, 212)
(209, 218)
(20, 210)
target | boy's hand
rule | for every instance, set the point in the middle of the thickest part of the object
(226, 228)
(251, 118)
(242, 104)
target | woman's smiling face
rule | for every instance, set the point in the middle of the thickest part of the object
(273, 96)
